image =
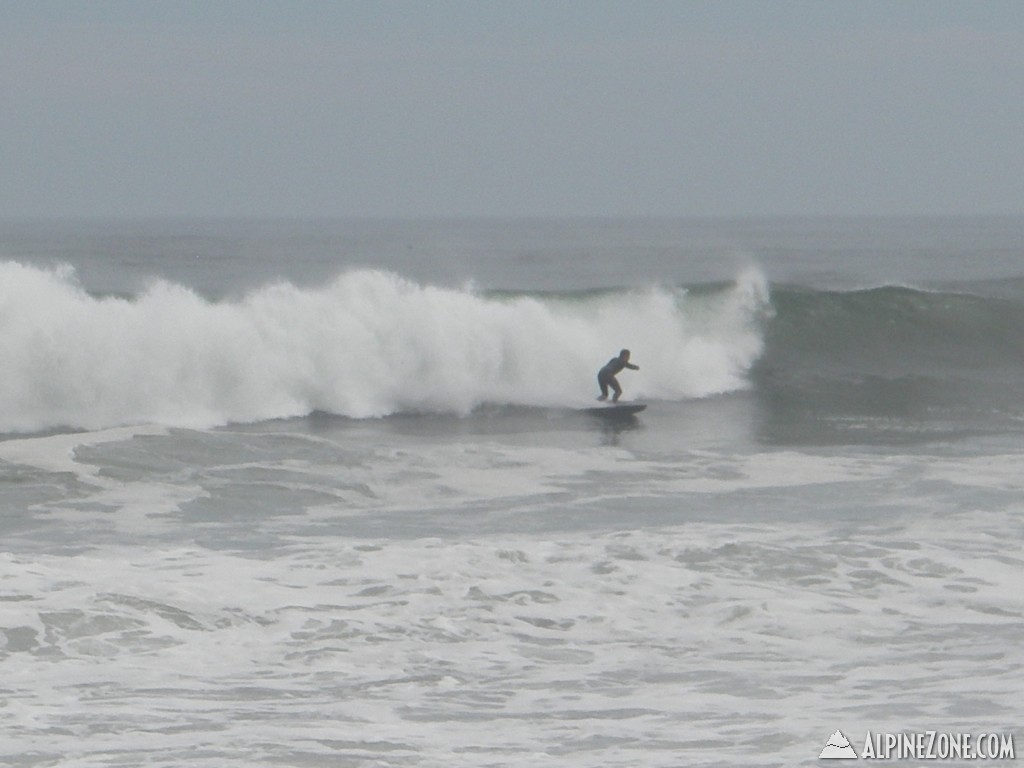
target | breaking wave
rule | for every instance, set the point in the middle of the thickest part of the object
(368, 343)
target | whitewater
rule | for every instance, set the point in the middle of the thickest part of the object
(369, 343)
(321, 493)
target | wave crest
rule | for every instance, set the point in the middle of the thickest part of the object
(369, 343)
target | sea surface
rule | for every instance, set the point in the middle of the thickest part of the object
(322, 493)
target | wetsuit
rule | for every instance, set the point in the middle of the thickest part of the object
(606, 376)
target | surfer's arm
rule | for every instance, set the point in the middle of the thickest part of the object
(633, 367)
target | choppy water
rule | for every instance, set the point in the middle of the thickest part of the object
(318, 494)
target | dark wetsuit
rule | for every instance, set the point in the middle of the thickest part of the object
(606, 376)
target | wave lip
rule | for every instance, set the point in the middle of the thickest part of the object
(368, 343)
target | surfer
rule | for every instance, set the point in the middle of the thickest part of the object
(606, 376)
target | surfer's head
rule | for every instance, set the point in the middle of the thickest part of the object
(624, 354)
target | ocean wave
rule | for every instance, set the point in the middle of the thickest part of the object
(895, 329)
(368, 343)
(892, 357)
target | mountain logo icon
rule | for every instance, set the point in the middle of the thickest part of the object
(838, 748)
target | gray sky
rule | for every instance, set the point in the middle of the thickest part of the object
(308, 108)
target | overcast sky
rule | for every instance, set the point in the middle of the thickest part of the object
(518, 108)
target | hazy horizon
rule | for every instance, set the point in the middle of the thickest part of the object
(338, 110)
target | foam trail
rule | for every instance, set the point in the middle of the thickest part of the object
(367, 344)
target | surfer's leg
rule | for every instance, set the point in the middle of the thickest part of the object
(602, 382)
(618, 390)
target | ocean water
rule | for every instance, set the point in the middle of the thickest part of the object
(322, 494)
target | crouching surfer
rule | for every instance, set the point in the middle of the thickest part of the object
(606, 376)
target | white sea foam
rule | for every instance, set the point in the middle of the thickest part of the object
(697, 644)
(367, 344)
(56, 453)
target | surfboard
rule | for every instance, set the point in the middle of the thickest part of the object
(615, 410)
